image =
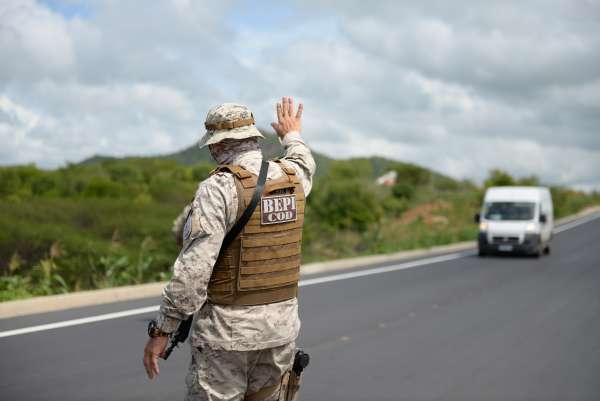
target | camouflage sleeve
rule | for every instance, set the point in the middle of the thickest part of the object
(214, 210)
(178, 223)
(299, 156)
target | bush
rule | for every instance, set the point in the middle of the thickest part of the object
(346, 205)
(532, 181)
(123, 173)
(403, 190)
(412, 175)
(200, 172)
(101, 187)
(15, 182)
(182, 174)
(166, 190)
(351, 170)
(394, 206)
(14, 287)
(446, 184)
(43, 184)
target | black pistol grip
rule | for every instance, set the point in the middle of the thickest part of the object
(301, 361)
(168, 351)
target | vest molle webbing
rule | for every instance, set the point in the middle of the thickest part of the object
(262, 265)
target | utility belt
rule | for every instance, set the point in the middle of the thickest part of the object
(289, 387)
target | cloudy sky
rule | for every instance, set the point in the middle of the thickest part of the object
(458, 86)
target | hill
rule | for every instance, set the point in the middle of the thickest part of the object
(193, 155)
(271, 148)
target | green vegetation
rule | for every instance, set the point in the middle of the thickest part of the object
(106, 222)
(90, 226)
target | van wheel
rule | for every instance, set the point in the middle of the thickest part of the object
(481, 253)
(537, 253)
(547, 250)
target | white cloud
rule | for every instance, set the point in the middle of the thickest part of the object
(34, 42)
(116, 119)
(16, 126)
(459, 87)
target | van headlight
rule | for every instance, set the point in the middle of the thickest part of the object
(483, 226)
(531, 227)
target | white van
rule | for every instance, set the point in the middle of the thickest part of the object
(516, 219)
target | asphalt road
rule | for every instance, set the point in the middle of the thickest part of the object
(497, 328)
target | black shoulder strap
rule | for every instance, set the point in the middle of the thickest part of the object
(239, 225)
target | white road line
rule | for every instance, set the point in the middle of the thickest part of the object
(76, 322)
(384, 269)
(575, 223)
(303, 283)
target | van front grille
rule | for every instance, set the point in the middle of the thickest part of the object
(505, 240)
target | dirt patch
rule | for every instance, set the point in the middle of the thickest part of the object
(426, 212)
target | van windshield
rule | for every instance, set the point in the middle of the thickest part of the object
(509, 210)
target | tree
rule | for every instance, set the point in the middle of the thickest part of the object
(499, 178)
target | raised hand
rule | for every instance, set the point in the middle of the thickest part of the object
(287, 119)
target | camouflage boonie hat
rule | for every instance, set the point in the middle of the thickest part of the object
(228, 121)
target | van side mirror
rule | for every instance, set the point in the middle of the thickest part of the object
(543, 218)
(477, 217)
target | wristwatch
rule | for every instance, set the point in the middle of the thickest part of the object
(154, 331)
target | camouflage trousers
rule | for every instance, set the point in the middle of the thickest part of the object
(217, 375)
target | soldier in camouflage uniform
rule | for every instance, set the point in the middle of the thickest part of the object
(236, 350)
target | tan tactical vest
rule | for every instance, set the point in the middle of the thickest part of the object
(262, 265)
